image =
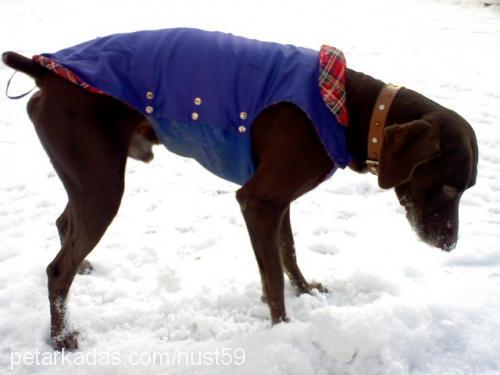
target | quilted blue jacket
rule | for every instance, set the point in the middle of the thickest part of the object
(202, 90)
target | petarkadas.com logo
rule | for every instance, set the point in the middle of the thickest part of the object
(174, 358)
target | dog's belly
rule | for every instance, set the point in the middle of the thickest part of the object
(202, 91)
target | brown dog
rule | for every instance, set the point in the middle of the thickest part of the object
(429, 155)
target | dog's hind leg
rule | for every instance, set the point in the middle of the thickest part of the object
(62, 224)
(86, 137)
(289, 259)
(90, 213)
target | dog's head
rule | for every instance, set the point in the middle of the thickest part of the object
(430, 163)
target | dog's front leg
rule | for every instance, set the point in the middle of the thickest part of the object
(289, 259)
(290, 161)
(263, 218)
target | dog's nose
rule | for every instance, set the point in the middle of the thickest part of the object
(448, 246)
(447, 242)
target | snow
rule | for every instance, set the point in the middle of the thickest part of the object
(175, 273)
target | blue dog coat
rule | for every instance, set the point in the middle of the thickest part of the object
(201, 91)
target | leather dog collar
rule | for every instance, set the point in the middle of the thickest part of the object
(377, 125)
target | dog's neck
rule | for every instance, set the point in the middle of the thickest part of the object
(361, 95)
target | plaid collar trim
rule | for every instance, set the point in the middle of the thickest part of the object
(332, 67)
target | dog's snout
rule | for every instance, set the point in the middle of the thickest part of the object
(448, 236)
(448, 244)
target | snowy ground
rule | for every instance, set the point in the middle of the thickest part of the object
(175, 272)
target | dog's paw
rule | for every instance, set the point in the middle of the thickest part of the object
(280, 319)
(309, 287)
(66, 341)
(317, 286)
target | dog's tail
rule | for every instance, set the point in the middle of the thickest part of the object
(25, 65)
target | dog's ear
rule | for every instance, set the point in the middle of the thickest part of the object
(405, 147)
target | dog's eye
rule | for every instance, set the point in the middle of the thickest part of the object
(450, 192)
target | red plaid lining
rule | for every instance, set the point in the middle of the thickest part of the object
(65, 73)
(332, 67)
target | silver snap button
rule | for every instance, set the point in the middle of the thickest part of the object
(195, 116)
(197, 101)
(374, 140)
(243, 115)
(381, 107)
(242, 129)
(149, 109)
(150, 95)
